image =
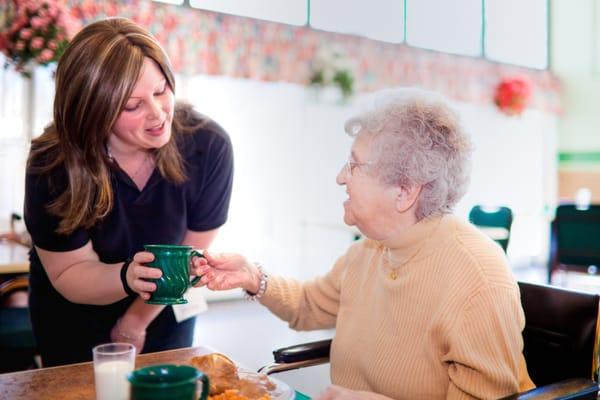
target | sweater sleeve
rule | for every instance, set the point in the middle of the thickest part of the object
(306, 306)
(485, 346)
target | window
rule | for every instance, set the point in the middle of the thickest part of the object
(293, 12)
(448, 26)
(375, 19)
(508, 31)
(516, 32)
(176, 2)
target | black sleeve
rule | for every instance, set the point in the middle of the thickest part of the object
(42, 225)
(213, 181)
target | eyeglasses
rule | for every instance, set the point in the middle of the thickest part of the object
(351, 165)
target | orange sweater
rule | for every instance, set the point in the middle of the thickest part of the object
(434, 314)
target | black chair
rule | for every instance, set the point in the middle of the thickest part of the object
(17, 343)
(559, 344)
(496, 222)
(575, 240)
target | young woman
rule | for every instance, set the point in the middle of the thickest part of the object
(120, 166)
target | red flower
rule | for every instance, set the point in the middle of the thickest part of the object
(512, 95)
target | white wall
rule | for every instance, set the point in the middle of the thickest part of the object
(514, 164)
(575, 42)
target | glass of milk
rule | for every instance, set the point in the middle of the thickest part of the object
(112, 363)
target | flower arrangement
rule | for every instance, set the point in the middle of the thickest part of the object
(34, 31)
(332, 67)
(513, 95)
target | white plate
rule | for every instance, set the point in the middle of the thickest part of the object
(281, 392)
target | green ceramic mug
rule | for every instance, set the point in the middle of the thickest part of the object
(174, 262)
(167, 382)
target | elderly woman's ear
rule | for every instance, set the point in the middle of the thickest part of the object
(406, 197)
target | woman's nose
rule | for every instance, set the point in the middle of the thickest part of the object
(340, 179)
(155, 109)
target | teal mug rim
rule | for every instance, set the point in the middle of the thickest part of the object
(132, 376)
(167, 247)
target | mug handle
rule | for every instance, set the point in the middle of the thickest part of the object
(205, 386)
(195, 253)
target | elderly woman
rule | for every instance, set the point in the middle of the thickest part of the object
(424, 307)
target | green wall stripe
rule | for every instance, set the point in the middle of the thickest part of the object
(482, 38)
(404, 27)
(587, 157)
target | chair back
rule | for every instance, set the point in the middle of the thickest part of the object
(496, 222)
(560, 334)
(17, 342)
(574, 239)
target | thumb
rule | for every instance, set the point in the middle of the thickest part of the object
(216, 259)
(210, 257)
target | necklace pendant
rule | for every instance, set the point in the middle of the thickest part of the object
(393, 275)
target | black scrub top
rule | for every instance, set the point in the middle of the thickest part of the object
(161, 213)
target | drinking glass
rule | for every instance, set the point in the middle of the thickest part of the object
(112, 364)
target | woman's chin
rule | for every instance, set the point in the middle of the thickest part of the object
(349, 219)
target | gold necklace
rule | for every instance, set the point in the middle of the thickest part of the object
(147, 159)
(393, 274)
(387, 257)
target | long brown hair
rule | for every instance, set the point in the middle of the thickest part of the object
(94, 79)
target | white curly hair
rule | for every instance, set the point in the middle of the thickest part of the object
(417, 141)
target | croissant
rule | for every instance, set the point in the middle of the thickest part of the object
(221, 371)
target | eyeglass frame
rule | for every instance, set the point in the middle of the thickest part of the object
(351, 164)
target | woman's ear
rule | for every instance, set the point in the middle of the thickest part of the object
(407, 197)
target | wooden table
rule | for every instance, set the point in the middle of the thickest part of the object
(14, 258)
(76, 381)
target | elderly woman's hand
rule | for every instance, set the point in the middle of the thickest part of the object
(335, 392)
(227, 271)
(138, 274)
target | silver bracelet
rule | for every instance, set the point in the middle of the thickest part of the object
(126, 336)
(262, 285)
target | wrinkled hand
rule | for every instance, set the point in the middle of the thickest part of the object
(227, 271)
(138, 273)
(126, 331)
(335, 392)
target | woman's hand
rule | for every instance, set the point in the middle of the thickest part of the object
(138, 273)
(128, 331)
(335, 392)
(227, 271)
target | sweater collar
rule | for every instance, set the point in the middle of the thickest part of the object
(416, 241)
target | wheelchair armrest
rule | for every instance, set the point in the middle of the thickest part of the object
(302, 352)
(569, 389)
(298, 356)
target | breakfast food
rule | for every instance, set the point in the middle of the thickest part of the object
(234, 394)
(221, 371)
(225, 381)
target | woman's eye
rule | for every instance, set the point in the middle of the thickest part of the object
(162, 91)
(132, 107)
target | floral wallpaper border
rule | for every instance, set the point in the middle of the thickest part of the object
(202, 42)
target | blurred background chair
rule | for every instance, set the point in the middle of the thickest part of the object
(560, 344)
(575, 240)
(493, 221)
(17, 344)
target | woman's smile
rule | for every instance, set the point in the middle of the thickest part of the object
(156, 130)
